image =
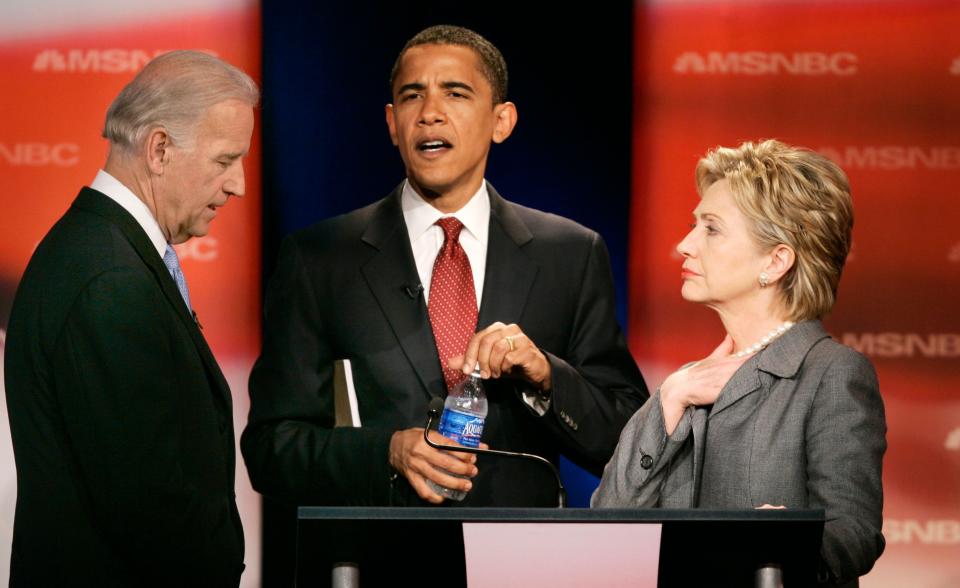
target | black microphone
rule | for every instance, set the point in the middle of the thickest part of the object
(413, 291)
(433, 413)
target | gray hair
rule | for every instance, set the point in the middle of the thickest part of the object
(173, 91)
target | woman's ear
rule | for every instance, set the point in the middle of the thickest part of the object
(782, 258)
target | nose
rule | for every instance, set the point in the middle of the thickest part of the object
(685, 247)
(235, 184)
(431, 110)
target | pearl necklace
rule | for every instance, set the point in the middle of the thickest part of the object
(767, 339)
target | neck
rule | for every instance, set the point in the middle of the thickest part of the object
(124, 169)
(748, 326)
(449, 201)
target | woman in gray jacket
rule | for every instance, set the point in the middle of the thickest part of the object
(779, 415)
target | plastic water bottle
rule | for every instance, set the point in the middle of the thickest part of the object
(464, 413)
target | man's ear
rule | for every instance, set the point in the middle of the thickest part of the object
(157, 149)
(506, 119)
(391, 123)
(782, 258)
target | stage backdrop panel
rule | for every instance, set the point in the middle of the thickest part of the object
(875, 86)
(61, 63)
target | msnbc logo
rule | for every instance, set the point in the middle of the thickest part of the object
(953, 255)
(40, 154)
(111, 61)
(895, 157)
(762, 63)
(204, 249)
(929, 532)
(953, 440)
(891, 345)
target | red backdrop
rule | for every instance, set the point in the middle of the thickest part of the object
(876, 87)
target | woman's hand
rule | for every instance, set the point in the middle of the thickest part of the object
(699, 384)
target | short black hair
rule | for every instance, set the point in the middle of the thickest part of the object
(492, 65)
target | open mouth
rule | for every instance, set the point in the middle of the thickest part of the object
(433, 146)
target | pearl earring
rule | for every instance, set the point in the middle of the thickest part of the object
(764, 279)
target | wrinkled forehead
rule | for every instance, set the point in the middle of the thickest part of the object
(226, 126)
(440, 63)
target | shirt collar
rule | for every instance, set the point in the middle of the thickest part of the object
(116, 191)
(420, 215)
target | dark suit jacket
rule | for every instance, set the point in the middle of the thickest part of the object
(121, 420)
(801, 424)
(340, 291)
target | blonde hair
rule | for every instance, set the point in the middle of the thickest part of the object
(795, 197)
(174, 91)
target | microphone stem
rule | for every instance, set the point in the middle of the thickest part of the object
(561, 491)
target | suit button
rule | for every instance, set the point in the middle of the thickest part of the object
(646, 462)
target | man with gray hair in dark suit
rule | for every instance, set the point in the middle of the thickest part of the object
(121, 420)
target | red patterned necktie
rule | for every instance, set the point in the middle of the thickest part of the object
(453, 300)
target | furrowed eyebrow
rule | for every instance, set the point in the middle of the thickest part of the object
(458, 85)
(452, 85)
(414, 86)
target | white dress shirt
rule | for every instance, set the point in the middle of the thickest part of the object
(426, 237)
(113, 189)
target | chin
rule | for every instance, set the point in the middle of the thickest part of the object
(429, 184)
(199, 231)
(687, 294)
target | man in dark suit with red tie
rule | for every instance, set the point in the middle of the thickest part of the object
(122, 422)
(419, 287)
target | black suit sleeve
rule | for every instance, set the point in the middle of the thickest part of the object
(122, 408)
(291, 449)
(596, 385)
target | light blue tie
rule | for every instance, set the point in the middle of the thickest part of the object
(172, 262)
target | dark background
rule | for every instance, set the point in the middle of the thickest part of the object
(326, 149)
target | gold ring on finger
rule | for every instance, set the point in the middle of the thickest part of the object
(509, 340)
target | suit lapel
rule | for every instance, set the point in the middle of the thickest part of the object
(391, 270)
(785, 355)
(389, 274)
(782, 359)
(100, 204)
(699, 432)
(745, 381)
(510, 273)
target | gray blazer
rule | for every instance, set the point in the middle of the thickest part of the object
(801, 424)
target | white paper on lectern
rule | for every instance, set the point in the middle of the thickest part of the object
(562, 555)
(347, 412)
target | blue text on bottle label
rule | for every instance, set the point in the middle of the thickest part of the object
(463, 428)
